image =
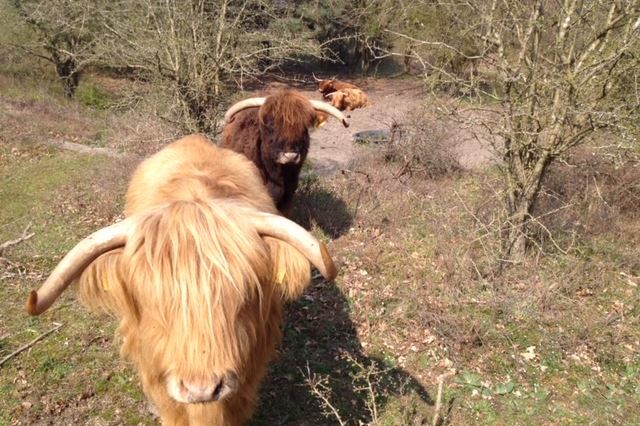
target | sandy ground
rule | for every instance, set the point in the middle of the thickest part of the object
(332, 146)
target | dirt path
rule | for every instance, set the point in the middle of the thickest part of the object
(332, 146)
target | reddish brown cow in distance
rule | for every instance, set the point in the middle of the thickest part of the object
(331, 85)
(348, 99)
(197, 274)
(273, 132)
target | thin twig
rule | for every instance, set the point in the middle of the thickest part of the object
(436, 413)
(18, 240)
(28, 345)
(365, 174)
(8, 262)
(319, 389)
(366, 373)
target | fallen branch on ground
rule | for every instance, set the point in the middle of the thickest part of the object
(441, 380)
(18, 240)
(28, 345)
(90, 150)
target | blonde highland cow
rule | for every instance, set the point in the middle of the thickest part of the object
(197, 273)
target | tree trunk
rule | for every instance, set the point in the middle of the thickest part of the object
(69, 74)
(514, 240)
(523, 190)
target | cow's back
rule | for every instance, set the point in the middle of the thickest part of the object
(340, 85)
(211, 172)
(356, 98)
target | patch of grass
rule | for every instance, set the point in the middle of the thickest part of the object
(28, 193)
(405, 410)
(93, 96)
(9, 398)
(61, 194)
(53, 369)
(527, 336)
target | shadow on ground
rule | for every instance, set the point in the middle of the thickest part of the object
(320, 341)
(321, 346)
(315, 205)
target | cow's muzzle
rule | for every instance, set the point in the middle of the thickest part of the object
(200, 391)
(288, 158)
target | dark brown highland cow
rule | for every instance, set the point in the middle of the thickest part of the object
(273, 132)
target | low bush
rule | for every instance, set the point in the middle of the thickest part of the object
(422, 146)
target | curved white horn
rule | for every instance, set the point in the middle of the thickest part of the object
(255, 102)
(286, 230)
(85, 252)
(315, 78)
(321, 106)
(239, 106)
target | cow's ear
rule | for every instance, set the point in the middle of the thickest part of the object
(321, 119)
(290, 270)
(102, 287)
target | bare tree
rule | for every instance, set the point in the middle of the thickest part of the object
(65, 35)
(198, 49)
(352, 30)
(547, 76)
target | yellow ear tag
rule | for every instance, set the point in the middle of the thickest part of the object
(105, 283)
(281, 275)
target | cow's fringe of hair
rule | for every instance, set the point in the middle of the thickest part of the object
(291, 112)
(184, 261)
(101, 286)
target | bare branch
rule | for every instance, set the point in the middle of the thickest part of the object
(436, 410)
(25, 236)
(320, 390)
(558, 73)
(433, 43)
(30, 344)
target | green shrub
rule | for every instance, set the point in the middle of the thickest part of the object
(93, 96)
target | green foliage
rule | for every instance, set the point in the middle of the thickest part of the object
(468, 378)
(504, 388)
(26, 196)
(93, 96)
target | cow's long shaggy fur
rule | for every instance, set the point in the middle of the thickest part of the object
(289, 112)
(349, 99)
(199, 292)
(262, 133)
